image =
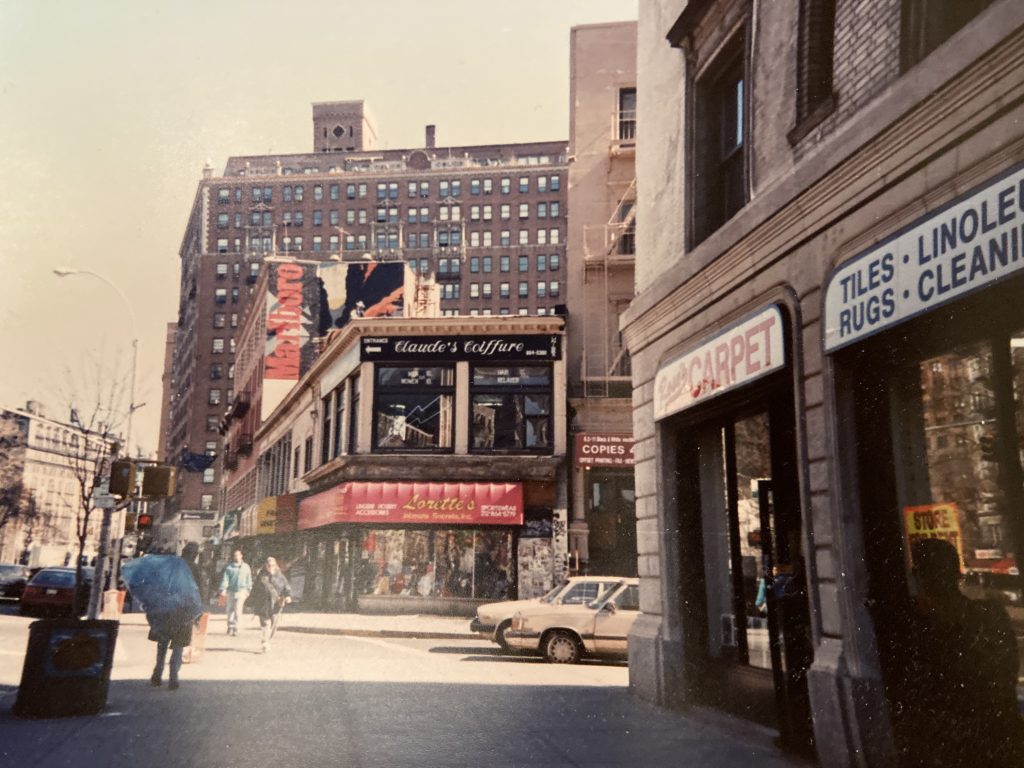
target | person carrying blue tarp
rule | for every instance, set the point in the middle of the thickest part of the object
(170, 597)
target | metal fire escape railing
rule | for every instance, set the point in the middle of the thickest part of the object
(607, 367)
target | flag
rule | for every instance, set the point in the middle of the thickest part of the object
(196, 462)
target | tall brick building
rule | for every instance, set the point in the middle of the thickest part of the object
(827, 366)
(481, 228)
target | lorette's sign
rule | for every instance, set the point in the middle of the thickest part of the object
(974, 241)
(415, 504)
(746, 351)
(473, 348)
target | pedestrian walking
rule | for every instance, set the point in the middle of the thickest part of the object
(169, 594)
(236, 584)
(270, 595)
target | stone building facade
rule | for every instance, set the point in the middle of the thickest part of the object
(829, 222)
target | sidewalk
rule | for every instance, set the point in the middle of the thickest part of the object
(357, 624)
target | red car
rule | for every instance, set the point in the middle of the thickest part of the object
(52, 591)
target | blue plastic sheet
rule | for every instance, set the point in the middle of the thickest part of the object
(164, 585)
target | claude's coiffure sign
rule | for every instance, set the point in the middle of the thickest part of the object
(474, 348)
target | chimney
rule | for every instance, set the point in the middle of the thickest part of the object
(35, 408)
(430, 136)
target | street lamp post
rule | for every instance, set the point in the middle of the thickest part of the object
(101, 555)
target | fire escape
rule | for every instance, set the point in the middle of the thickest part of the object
(609, 252)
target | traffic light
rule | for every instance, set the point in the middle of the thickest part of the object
(158, 481)
(144, 521)
(987, 443)
(122, 478)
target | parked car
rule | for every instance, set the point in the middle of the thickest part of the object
(566, 633)
(493, 619)
(51, 591)
(13, 579)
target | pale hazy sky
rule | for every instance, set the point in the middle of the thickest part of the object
(108, 111)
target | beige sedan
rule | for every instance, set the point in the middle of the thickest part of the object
(563, 634)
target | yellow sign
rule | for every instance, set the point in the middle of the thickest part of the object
(266, 516)
(934, 521)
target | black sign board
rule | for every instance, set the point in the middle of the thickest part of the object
(198, 515)
(472, 348)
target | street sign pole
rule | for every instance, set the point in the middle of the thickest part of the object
(101, 499)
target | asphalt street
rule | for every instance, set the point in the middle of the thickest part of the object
(318, 700)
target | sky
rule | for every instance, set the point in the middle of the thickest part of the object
(109, 110)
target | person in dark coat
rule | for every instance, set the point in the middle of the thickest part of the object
(271, 594)
(170, 596)
(959, 676)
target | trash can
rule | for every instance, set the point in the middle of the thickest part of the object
(67, 668)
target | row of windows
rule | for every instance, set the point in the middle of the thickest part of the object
(414, 410)
(390, 190)
(217, 373)
(217, 345)
(236, 270)
(441, 238)
(391, 214)
(485, 264)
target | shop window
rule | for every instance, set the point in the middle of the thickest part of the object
(721, 148)
(437, 563)
(950, 468)
(414, 408)
(511, 408)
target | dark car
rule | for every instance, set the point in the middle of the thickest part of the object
(13, 579)
(52, 592)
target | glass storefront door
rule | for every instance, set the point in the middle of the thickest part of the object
(743, 494)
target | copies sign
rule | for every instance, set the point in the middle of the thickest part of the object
(747, 351)
(604, 450)
(974, 241)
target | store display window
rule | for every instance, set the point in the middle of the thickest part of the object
(413, 408)
(437, 563)
(511, 408)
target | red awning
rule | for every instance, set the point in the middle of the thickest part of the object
(415, 503)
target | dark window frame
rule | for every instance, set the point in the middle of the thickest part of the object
(513, 391)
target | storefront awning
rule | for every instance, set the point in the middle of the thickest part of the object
(415, 504)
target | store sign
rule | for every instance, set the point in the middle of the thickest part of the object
(198, 515)
(933, 521)
(273, 514)
(595, 449)
(974, 241)
(748, 350)
(472, 348)
(415, 503)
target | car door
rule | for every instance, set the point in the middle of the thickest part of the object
(614, 619)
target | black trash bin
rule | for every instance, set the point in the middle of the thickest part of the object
(67, 668)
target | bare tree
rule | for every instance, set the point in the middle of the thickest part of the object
(93, 398)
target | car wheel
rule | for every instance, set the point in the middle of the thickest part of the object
(499, 635)
(562, 647)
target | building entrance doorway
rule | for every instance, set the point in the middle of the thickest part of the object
(744, 584)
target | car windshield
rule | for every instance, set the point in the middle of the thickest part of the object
(603, 596)
(552, 593)
(47, 578)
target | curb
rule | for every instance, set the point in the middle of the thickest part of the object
(406, 633)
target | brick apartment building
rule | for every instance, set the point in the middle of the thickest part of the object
(481, 228)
